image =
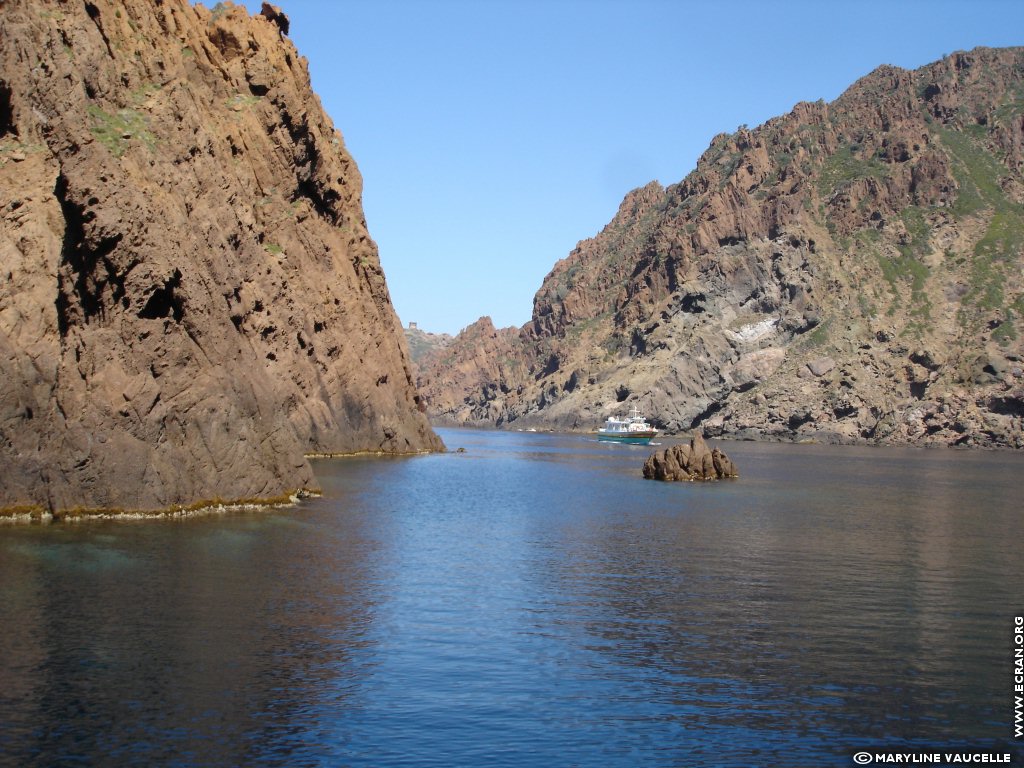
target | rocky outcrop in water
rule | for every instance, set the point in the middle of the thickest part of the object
(693, 461)
(191, 300)
(849, 272)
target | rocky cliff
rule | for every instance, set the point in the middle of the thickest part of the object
(482, 360)
(191, 299)
(848, 272)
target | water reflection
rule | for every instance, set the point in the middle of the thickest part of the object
(532, 601)
(863, 607)
(202, 642)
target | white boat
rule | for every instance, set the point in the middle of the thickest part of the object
(632, 429)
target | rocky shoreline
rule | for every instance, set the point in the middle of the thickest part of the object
(37, 514)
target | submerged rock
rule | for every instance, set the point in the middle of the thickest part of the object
(695, 461)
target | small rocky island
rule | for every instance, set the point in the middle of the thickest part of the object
(695, 461)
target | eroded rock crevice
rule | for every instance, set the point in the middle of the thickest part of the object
(88, 280)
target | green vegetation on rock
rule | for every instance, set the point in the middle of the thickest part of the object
(981, 194)
(115, 131)
(844, 166)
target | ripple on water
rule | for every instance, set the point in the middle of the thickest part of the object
(533, 601)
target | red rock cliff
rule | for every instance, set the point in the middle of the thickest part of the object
(191, 300)
(849, 272)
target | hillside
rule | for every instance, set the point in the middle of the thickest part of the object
(421, 343)
(192, 300)
(849, 272)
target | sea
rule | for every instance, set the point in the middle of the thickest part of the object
(533, 601)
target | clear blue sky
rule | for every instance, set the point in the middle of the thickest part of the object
(494, 135)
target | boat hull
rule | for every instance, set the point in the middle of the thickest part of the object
(637, 438)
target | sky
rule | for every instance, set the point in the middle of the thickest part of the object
(494, 135)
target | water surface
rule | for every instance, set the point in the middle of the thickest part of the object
(532, 601)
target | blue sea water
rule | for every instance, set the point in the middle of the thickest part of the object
(532, 601)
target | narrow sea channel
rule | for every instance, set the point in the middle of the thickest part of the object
(530, 602)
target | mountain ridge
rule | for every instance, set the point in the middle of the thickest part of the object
(877, 237)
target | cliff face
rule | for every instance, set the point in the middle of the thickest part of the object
(481, 359)
(849, 272)
(191, 299)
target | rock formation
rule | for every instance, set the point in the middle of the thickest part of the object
(693, 461)
(849, 272)
(191, 299)
(482, 359)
